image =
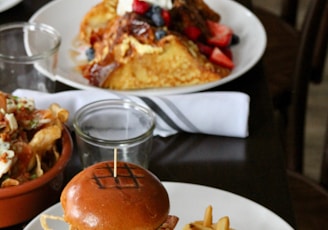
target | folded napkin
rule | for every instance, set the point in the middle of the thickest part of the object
(215, 113)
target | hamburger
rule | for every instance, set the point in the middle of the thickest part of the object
(130, 197)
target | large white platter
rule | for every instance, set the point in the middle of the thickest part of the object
(66, 15)
(7, 4)
(188, 202)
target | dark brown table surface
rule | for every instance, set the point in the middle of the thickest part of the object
(252, 167)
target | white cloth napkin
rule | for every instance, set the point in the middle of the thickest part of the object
(215, 113)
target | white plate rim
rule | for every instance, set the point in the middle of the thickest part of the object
(7, 4)
(196, 190)
(261, 45)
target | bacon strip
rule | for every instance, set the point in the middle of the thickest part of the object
(170, 223)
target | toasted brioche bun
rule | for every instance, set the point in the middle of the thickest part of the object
(134, 199)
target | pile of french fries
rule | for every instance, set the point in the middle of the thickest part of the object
(207, 223)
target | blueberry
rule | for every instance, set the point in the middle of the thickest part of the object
(90, 53)
(156, 9)
(157, 19)
(155, 14)
(234, 39)
(160, 34)
(149, 13)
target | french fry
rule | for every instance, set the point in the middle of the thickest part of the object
(207, 223)
(223, 223)
(208, 216)
(197, 226)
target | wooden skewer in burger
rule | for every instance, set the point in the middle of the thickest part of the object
(133, 198)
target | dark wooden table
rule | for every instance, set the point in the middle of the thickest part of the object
(252, 167)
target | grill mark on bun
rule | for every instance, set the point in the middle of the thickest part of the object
(104, 177)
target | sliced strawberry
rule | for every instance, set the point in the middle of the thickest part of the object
(167, 17)
(219, 58)
(192, 32)
(221, 34)
(140, 7)
(227, 52)
(205, 49)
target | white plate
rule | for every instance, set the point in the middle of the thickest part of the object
(7, 4)
(66, 15)
(189, 201)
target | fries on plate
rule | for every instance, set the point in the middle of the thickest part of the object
(207, 223)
